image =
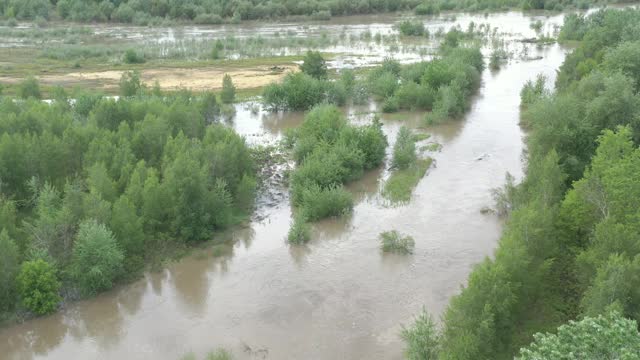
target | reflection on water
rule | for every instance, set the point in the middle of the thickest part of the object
(337, 297)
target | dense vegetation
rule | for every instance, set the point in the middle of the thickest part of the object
(407, 167)
(444, 85)
(570, 248)
(145, 12)
(95, 188)
(329, 152)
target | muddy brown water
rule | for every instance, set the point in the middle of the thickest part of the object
(338, 297)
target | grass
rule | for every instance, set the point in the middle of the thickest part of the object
(400, 185)
(392, 241)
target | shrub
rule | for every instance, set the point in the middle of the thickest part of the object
(318, 203)
(421, 339)
(298, 91)
(383, 84)
(532, 91)
(132, 57)
(300, 231)
(38, 286)
(390, 105)
(228, 93)
(9, 266)
(393, 241)
(411, 28)
(404, 150)
(130, 84)
(314, 65)
(97, 260)
(29, 88)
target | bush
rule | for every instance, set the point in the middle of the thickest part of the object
(9, 266)
(532, 91)
(38, 286)
(318, 203)
(411, 28)
(314, 65)
(29, 88)
(130, 84)
(298, 91)
(228, 93)
(132, 57)
(393, 241)
(97, 259)
(422, 339)
(383, 84)
(404, 150)
(390, 105)
(300, 231)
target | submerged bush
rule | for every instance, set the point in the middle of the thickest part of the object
(421, 339)
(300, 231)
(404, 150)
(411, 28)
(393, 241)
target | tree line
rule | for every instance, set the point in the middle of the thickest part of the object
(570, 249)
(93, 188)
(148, 12)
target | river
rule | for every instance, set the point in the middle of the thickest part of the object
(338, 297)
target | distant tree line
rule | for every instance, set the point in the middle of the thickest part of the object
(144, 12)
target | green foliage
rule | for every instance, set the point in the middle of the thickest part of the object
(603, 337)
(330, 153)
(38, 286)
(97, 259)
(300, 231)
(9, 266)
(532, 91)
(412, 28)
(228, 93)
(399, 186)
(298, 91)
(132, 57)
(421, 338)
(130, 84)
(149, 168)
(428, 8)
(314, 65)
(565, 255)
(219, 354)
(404, 150)
(393, 241)
(29, 88)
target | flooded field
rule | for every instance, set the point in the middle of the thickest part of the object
(338, 297)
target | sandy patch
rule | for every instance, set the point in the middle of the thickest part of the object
(206, 78)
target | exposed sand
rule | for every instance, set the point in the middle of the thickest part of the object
(205, 78)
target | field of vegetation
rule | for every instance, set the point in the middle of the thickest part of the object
(567, 264)
(96, 189)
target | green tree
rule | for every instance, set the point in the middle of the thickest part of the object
(97, 259)
(421, 339)
(314, 65)
(38, 286)
(9, 266)
(604, 337)
(129, 232)
(29, 88)
(130, 84)
(228, 93)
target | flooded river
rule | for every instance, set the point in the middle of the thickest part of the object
(338, 297)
